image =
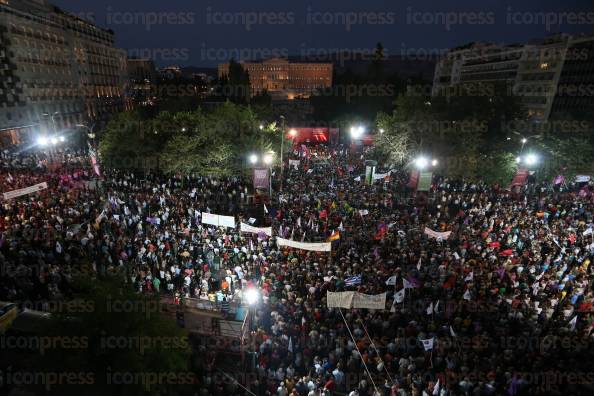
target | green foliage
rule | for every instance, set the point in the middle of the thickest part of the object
(463, 130)
(114, 333)
(209, 143)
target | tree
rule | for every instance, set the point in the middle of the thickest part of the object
(376, 70)
(116, 342)
(395, 143)
(235, 86)
(129, 142)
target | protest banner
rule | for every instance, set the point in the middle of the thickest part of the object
(218, 220)
(437, 235)
(256, 230)
(340, 299)
(25, 191)
(316, 247)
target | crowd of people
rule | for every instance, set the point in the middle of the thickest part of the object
(501, 304)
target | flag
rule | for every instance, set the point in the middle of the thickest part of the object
(340, 227)
(414, 281)
(450, 282)
(428, 344)
(467, 295)
(513, 386)
(290, 348)
(382, 230)
(94, 161)
(436, 388)
(353, 280)
(407, 284)
(452, 332)
(573, 323)
(469, 277)
(391, 280)
(335, 236)
(558, 180)
(399, 296)
(430, 309)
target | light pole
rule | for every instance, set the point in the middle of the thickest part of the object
(90, 134)
(252, 295)
(53, 120)
(282, 117)
(267, 159)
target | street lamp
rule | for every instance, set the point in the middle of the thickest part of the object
(357, 132)
(253, 159)
(54, 140)
(42, 141)
(251, 295)
(529, 159)
(268, 158)
(381, 130)
(293, 133)
(90, 133)
(421, 162)
(53, 120)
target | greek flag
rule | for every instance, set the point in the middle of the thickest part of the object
(353, 280)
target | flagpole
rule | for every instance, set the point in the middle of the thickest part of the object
(376, 351)
(357, 347)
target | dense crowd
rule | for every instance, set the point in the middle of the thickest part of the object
(505, 300)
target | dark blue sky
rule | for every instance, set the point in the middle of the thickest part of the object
(199, 33)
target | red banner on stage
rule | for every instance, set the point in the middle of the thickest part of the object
(311, 135)
(414, 179)
(520, 178)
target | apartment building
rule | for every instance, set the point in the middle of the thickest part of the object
(532, 71)
(56, 70)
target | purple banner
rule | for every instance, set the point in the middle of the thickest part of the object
(261, 178)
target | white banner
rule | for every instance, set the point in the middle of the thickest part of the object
(340, 299)
(437, 235)
(218, 220)
(256, 230)
(356, 300)
(209, 218)
(25, 191)
(294, 164)
(582, 178)
(227, 221)
(369, 301)
(378, 176)
(316, 247)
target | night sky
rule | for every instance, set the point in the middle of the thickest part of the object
(198, 33)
